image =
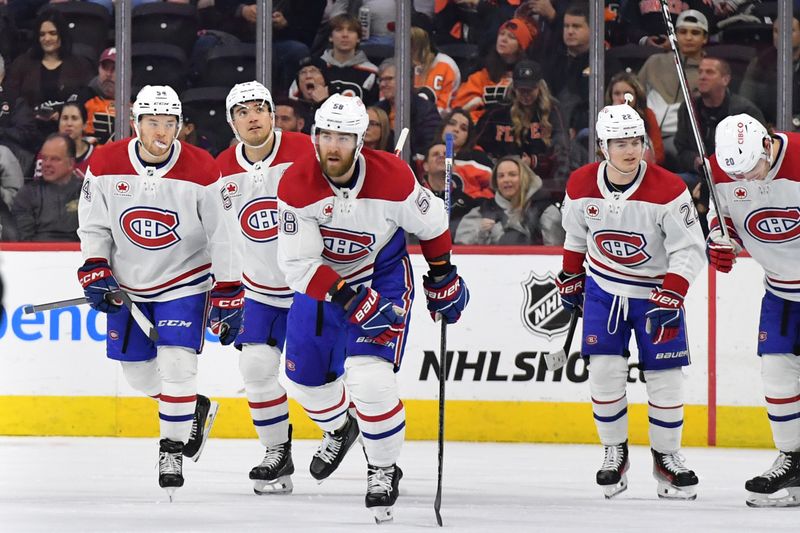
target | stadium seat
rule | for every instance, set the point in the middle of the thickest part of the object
(88, 23)
(628, 57)
(159, 64)
(377, 52)
(206, 107)
(165, 22)
(738, 57)
(87, 52)
(228, 65)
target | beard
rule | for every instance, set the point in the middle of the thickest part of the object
(339, 168)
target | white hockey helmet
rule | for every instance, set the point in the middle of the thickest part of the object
(739, 144)
(345, 114)
(618, 122)
(249, 91)
(156, 100)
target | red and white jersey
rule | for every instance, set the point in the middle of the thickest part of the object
(328, 232)
(164, 229)
(253, 189)
(765, 217)
(633, 239)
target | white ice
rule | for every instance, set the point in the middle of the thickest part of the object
(109, 484)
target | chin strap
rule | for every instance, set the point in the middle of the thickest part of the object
(270, 137)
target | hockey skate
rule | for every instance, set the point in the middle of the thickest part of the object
(170, 466)
(612, 476)
(274, 474)
(334, 447)
(779, 486)
(382, 491)
(205, 412)
(675, 481)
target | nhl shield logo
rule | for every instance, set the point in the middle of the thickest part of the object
(542, 312)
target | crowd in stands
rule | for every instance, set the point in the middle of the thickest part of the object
(509, 79)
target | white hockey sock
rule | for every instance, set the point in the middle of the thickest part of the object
(266, 398)
(665, 408)
(326, 404)
(381, 415)
(143, 376)
(608, 376)
(178, 369)
(780, 374)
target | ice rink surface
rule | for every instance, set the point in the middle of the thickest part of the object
(107, 484)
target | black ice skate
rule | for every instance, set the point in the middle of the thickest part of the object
(382, 491)
(779, 486)
(274, 474)
(205, 412)
(612, 476)
(334, 447)
(675, 481)
(170, 466)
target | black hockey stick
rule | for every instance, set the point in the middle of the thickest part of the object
(687, 97)
(448, 176)
(556, 360)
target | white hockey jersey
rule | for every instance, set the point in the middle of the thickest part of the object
(164, 230)
(633, 239)
(765, 217)
(328, 232)
(253, 189)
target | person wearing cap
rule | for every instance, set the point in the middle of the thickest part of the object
(432, 69)
(531, 126)
(311, 83)
(489, 85)
(645, 23)
(100, 104)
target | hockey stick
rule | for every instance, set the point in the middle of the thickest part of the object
(401, 140)
(556, 360)
(687, 97)
(141, 320)
(448, 176)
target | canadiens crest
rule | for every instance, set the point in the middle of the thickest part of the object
(774, 224)
(542, 312)
(622, 247)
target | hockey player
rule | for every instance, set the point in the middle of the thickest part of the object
(342, 247)
(757, 179)
(156, 223)
(635, 226)
(251, 170)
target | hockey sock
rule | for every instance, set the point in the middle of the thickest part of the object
(608, 376)
(269, 407)
(143, 376)
(381, 415)
(176, 404)
(326, 404)
(780, 374)
(665, 408)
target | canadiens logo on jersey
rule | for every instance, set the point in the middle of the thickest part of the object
(150, 228)
(774, 224)
(259, 219)
(624, 248)
(542, 312)
(343, 246)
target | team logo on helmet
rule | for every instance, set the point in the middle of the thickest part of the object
(542, 312)
(774, 224)
(150, 228)
(624, 248)
(259, 219)
(343, 246)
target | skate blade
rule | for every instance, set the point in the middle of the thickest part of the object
(212, 415)
(670, 492)
(613, 490)
(787, 498)
(383, 514)
(170, 493)
(281, 485)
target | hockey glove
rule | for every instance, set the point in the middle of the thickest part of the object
(98, 283)
(570, 288)
(225, 316)
(447, 296)
(721, 252)
(376, 315)
(664, 318)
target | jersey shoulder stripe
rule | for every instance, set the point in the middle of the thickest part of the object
(303, 183)
(194, 165)
(227, 163)
(659, 186)
(112, 159)
(582, 182)
(387, 177)
(293, 145)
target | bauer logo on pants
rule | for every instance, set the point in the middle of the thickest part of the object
(542, 312)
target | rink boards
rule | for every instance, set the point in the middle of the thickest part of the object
(55, 379)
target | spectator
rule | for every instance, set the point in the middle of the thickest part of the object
(48, 73)
(379, 131)
(645, 22)
(432, 69)
(47, 210)
(761, 77)
(660, 79)
(519, 213)
(380, 21)
(17, 126)
(472, 165)
(489, 85)
(349, 70)
(434, 179)
(311, 84)
(531, 127)
(290, 116)
(100, 103)
(625, 83)
(424, 116)
(72, 123)
(11, 177)
(470, 21)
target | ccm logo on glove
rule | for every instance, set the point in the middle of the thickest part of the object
(93, 276)
(229, 303)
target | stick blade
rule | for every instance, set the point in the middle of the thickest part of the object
(555, 360)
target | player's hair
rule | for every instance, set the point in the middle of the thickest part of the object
(526, 177)
(346, 21)
(521, 117)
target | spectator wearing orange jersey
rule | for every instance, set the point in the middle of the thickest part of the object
(489, 85)
(473, 166)
(100, 105)
(434, 70)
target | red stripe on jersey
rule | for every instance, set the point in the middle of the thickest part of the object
(659, 186)
(266, 287)
(583, 182)
(227, 162)
(784, 281)
(173, 281)
(321, 411)
(602, 402)
(321, 282)
(270, 403)
(177, 399)
(779, 401)
(381, 165)
(194, 165)
(437, 247)
(625, 274)
(572, 262)
(679, 406)
(384, 416)
(675, 283)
